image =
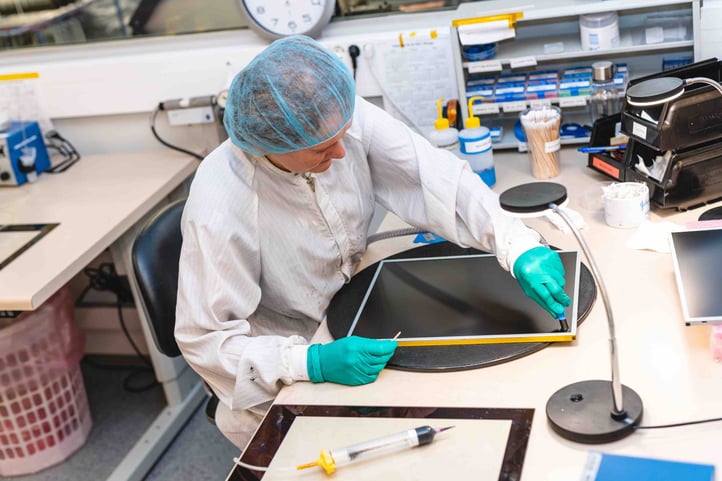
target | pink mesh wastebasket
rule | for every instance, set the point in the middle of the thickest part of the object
(44, 415)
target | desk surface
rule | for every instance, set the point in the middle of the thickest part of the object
(669, 365)
(95, 202)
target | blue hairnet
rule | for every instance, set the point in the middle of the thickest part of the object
(292, 96)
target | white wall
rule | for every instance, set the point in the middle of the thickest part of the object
(711, 33)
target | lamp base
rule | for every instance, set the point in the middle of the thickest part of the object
(582, 412)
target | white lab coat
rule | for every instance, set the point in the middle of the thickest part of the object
(264, 251)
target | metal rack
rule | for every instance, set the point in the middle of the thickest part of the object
(556, 22)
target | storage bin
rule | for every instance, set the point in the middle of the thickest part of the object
(44, 414)
(599, 31)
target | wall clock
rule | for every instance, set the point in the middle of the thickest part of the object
(274, 19)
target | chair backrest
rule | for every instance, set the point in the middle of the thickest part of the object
(156, 253)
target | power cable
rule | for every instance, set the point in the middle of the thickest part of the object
(675, 425)
(153, 116)
(58, 143)
(105, 278)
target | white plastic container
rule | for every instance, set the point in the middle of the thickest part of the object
(475, 147)
(626, 204)
(599, 31)
(444, 136)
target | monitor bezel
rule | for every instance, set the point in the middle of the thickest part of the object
(404, 340)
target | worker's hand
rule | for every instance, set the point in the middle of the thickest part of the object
(350, 360)
(540, 274)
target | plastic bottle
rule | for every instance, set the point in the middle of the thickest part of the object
(443, 135)
(475, 147)
(604, 97)
(599, 31)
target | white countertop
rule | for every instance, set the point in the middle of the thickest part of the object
(669, 365)
(95, 202)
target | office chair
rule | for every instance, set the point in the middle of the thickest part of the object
(156, 253)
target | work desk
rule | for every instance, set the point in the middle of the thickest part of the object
(669, 365)
(95, 202)
(99, 203)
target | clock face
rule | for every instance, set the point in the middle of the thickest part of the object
(280, 18)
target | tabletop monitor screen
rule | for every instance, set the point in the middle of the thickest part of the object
(459, 300)
(697, 256)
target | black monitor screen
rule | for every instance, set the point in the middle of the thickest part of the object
(458, 298)
(697, 258)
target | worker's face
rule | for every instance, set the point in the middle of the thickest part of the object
(314, 159)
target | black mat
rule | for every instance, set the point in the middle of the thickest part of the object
(713, 214)
(343, 307)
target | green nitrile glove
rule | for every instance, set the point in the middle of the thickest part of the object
(350, 360)
(540, 274)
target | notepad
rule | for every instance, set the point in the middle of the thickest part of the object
(615, 467)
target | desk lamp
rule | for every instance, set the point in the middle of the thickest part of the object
(658, 91)
(593, 411)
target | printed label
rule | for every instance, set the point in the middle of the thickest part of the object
(639, 130)
(486, 108)
(552, 146)
(485, 66)
(522, 62)
(513, 106)
(605, 167)
(576, 101)
(539, 102)
(476, 146)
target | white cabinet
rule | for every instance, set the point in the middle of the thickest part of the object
(548, 39)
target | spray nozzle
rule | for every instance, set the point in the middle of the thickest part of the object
(473, 122)
(441, 123)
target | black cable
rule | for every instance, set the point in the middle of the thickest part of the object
(153, 115)
(354, 52)
(105, 278)
(135, 372)
(675, 425)
(65, 148)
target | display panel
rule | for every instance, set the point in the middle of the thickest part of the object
(459, 300)
(697, 256)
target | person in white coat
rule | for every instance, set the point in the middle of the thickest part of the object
(277, 220)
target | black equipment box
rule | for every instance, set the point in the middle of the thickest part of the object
(674, 147)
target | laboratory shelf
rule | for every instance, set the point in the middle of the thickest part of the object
(546, 9)
(492, 108)
(630, 43)
(509, 141)
(547, 37)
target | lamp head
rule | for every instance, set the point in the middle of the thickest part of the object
(655, 91)
(533, 199)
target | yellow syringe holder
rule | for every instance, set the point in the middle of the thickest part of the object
(325, 461)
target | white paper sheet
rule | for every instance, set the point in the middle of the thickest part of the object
(473, 449)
